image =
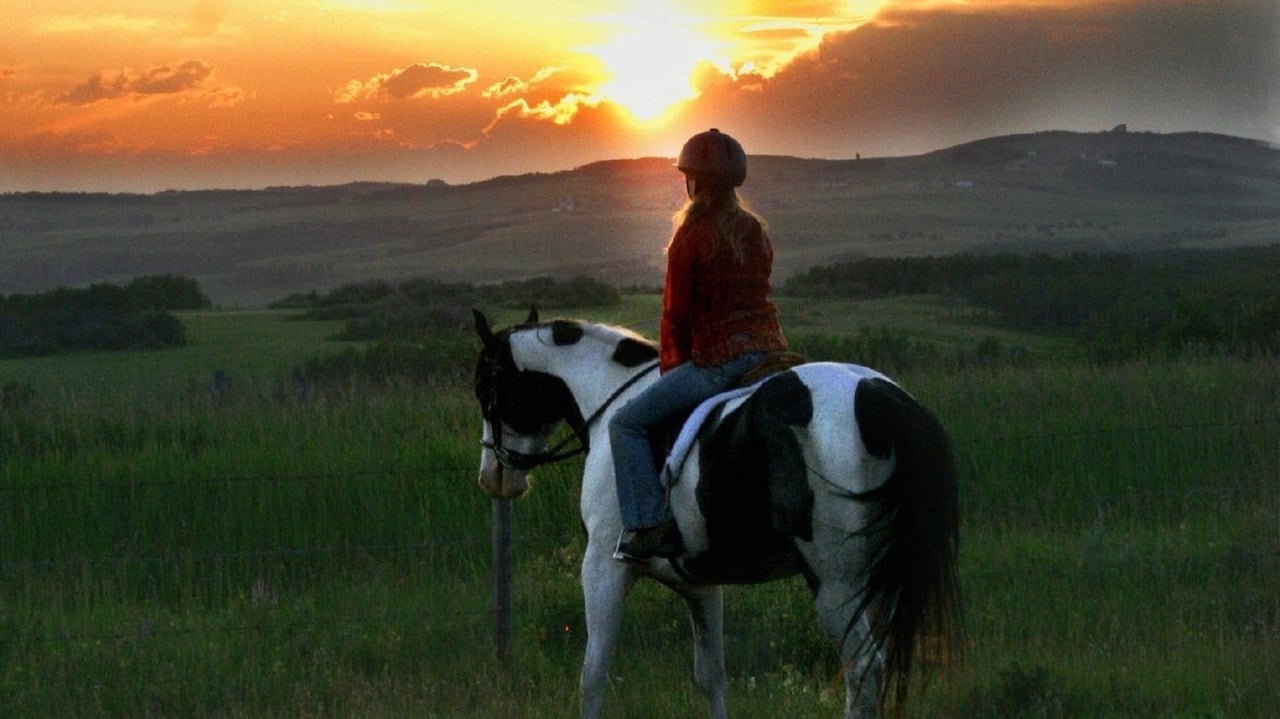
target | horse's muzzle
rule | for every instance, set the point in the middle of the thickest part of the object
(502, 482)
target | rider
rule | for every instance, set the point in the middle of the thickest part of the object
(717, 323)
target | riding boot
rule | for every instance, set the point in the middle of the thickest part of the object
(638, 545)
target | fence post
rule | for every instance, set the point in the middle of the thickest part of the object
(501, 540)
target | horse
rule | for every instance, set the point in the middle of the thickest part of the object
(826, 470)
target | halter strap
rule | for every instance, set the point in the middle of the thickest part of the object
(525, 461)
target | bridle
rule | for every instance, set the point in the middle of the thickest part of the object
(525, 461)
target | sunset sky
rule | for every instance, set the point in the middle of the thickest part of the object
(142, 96)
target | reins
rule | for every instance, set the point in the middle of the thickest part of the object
(525, 461)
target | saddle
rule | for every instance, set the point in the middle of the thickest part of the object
(751, 515)
(663, 437)
(771, 364)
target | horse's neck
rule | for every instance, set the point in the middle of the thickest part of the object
(603, 389)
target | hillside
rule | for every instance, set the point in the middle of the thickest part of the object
(1049, 191)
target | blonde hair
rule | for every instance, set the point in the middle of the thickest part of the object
(733, 217)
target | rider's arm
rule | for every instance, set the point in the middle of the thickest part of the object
(677, 295)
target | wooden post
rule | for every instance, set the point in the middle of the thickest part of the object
(501, 537)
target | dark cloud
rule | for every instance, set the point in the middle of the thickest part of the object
(97, 87)
(512, 85)
(417, 80)
(925, 76)
(159, 80)
(433, 78)
(166, 80)
(509, 85)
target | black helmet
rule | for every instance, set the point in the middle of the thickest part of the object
(716, 155)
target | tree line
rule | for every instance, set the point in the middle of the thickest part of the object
(420, 308)
(137, 315)
(1117, 305)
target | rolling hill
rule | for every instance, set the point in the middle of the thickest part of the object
(1043, 192)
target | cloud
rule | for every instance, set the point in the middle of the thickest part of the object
(925, 75)
(561, 112)
(433, 79)
(419, 80)
(169, 79)
(804, 9)
(159, 80)
(47, 146)
(512, 85)
(552, 98)
(222, 97)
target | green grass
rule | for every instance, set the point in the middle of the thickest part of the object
(166, 554)
(253, 347)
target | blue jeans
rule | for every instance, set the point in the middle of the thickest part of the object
(641, 496)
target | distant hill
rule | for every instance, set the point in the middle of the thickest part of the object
(1049, 191)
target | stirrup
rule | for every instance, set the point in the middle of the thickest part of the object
(641, 545)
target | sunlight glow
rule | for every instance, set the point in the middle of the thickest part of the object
(651, 59)
(374, 5)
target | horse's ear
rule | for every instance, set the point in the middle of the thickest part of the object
(533, 315)
(482, 327)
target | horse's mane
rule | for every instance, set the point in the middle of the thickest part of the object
(613, 333)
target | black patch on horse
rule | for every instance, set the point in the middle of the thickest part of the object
(880, 407)
(565, 332)
(632, 352)
(525, 400)
(753, 490)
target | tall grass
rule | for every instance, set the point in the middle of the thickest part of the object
(1121, 537)
(169, 552)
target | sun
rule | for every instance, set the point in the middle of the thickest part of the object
(651, 58)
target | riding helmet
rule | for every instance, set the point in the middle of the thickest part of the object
(716, 155)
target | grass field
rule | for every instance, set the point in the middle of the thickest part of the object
(167, 551)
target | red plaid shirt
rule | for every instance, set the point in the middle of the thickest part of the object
(714, 308)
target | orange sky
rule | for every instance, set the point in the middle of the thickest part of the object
(136, 95)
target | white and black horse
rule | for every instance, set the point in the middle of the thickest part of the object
(826, 470)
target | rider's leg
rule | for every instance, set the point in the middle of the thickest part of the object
(648, 527)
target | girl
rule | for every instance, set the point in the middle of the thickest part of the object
(717, 323)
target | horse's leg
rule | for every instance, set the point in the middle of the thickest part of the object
(605, 583)
(706, 614)
(861, 663)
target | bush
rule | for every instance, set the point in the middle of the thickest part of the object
(416, 310)
(101, 317)
(166, 292)
(445, 359)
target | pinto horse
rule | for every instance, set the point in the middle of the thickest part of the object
(826, 470)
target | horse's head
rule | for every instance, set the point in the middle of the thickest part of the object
(520, 407)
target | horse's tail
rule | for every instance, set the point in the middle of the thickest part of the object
(912, 591)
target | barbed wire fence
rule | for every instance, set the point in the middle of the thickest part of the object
(501, 541)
